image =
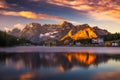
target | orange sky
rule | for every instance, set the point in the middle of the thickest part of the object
(102, 13)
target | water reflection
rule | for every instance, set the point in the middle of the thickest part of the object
(32, 65)
(65, 61)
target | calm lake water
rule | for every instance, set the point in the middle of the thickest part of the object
(59, 66)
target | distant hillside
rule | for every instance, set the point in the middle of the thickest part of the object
(37, 33)
(9, 40)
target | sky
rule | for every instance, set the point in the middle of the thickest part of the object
(102, 13)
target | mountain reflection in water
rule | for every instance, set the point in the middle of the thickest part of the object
(29, 65)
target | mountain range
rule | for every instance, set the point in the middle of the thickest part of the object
(36, 32)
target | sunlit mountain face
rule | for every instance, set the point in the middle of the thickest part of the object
(82, 58)
(102, 13)
(82, 34)
(37, 33)
(78, 32)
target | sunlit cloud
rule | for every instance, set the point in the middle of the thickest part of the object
(75, 4)
(6, 29)
(19, 26)
(110, 15)
(30, 15)
(35, 0)
(85, 11)
(73, 22)
(3, 4)
(96, 9)
(26, 76)
(107, 75)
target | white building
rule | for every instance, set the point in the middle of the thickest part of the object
(115, 44)
(99, 41)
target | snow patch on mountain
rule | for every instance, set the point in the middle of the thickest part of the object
(49, 34)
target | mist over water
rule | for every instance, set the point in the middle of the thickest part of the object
(30, 49)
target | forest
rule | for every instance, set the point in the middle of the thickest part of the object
(9, 40)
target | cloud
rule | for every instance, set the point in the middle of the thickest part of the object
(26, 76)
(30, 15)
(75, 4)
(109, 15)
(19, 26)
(110, 75)
(33, 15)
(73, 22)
(35, 0)
(9, 13)
(96, 9)
(6, 29)
(3, 4)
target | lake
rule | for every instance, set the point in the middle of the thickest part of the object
(87, 65)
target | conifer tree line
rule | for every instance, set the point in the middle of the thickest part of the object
(9, 40)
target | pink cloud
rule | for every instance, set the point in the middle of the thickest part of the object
(30, 15)
(3, 4)
(107, 75)
(19, 26)
(6, 29)
(96, 9)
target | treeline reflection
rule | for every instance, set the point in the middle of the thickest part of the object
(64, 61)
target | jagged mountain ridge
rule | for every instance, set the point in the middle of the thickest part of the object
(31, 32)
(36, 32)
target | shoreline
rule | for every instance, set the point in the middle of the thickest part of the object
(29, 49)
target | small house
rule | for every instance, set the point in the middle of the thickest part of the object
(99, 41)
(115, 44)
(77, 43)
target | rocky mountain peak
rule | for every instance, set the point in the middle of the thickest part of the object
(16, 29)
(83, 26)
(96, 27)
(31, 32)
(32, 25)
(15, 32)
(100, 32)
(65, 23)
(37, 33)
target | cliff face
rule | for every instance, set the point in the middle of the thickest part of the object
(77, 32)
(100, 32)
(15, 32)
(31, 32)
(36, 32)
(86, 33)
